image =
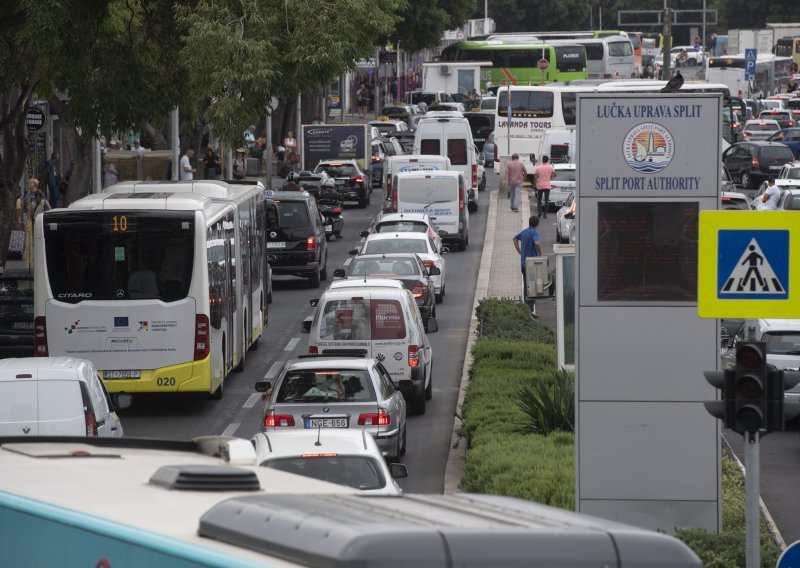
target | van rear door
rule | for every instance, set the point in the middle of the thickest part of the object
(434, 195)
(390, 337)
(61, 408)
(18, 406)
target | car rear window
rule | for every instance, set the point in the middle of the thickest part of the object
(328, 385)
(457, 151)
(359, 472)
(762, 127)
(16, 288)
(565, 175)
(386, 266)
(401, 227)
(386, 246)
(359, 319)
(287, 215)
(782, 342)
(777, 153)
(429, 146)
(342, 170)
(734, 203)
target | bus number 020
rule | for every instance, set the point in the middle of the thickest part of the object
(120, 223)
(165, 381)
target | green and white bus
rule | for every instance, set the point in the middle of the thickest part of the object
(522, 63)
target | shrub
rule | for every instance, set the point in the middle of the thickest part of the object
(549, 406)
(504, 318)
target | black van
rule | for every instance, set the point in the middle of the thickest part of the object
(481, 124)
(16, 313)
(296, 237)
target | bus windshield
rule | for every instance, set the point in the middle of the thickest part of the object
(526, 104)
(115, 255)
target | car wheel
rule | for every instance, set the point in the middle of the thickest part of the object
(747, 180)
(323, 274)
(558, 234)
(403, 444)
(314, 279)
(240, 367)
(429, 388)
(417, 404)
(362, 202)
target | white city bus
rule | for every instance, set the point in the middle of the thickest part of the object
(772, 74)
(161, 285)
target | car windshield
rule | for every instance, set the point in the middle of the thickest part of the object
(326, 385)
(565, 175)
(762, 127)
(396, 245)
(386, 267)
(782, 342)
(337, 171)
(358, 472)
(287, 215)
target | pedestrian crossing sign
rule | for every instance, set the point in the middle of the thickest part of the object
(744, 264)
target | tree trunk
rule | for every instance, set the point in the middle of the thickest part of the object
(157, 139)
(80, 153)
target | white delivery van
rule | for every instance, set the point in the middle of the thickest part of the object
(379, 319)
(408, 163)
(56, 396)
(451, 136)
(441, 196)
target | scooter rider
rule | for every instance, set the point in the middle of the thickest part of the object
(291, 183)
(327, 192)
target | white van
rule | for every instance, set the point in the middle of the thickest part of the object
(451, 136)
(56, 396)
(441, 196)
(394, 165)
(379, 319)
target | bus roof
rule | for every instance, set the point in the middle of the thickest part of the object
(215, 189)
(114, 200)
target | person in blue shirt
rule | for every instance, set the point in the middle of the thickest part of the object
(527, 244)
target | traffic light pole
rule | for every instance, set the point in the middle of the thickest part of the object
(752, 516)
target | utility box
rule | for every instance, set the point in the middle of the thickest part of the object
(537, 277)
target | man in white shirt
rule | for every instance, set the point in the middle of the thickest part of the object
(187, 171)
(769, 201)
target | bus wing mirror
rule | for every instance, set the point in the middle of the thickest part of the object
(352, 252)
(122, 401)
(314, 302)
(305, 326)
(263, 386)
(363, 234)
(339, 273)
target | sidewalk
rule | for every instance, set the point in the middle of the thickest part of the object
(499, 276)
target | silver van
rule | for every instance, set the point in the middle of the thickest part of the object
(56, 396)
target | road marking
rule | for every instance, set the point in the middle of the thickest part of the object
(276, 366)
(231, 429)
(347, 261)
(292, 344)
(252, 400)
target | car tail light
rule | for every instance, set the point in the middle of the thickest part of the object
(376, 158)
(394, 201)
(418, 290)
(336, 209)
(40, 337)
(791, 122)
(202, 346)
(272, 420)
(429, 264)
(413, 355)
(461, 199)
(381, 418)
(754, 163)
(571, 213)
(311, 243)
(313, 350)
(357, 179)
(91, 423)
(474, 175)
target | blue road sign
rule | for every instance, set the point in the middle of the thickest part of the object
(753, 264)
(790, 557)
(750, 56)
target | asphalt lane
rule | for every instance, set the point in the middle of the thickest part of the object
(239, 413)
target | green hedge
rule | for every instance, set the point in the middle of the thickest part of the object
(512, 351)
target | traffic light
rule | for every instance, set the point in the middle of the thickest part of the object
(750, 388)
(778, 409)
(724, 407)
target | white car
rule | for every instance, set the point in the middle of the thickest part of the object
(562, 184)
(408, 223)
(693, 57)
(565, 219)
(420, 243)
(344, 457)
(759, 129)
(489, 104)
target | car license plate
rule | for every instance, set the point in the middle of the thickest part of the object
(328, 228)
(24, 325)
(326, 423)
(122, 374)
(775, 167)
(276, 245)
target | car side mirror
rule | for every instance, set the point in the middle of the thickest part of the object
(442, 233)
(364, 234)
(305, 325)
(431, 326)
(263, 386)
(314, 302)
(398, 470)
(339, 273)
(434, 271)
(122, 400)
(352, 252)
(445, 250)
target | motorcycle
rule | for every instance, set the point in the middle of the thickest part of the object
(334, 221)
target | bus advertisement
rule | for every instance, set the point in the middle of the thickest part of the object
(161, 284)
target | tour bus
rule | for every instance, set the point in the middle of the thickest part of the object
(773, 74)
(161, 284)
(521, 63)
(208, 502)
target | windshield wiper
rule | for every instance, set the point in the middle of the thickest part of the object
(437, 201)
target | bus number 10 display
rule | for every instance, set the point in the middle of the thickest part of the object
(120, 223)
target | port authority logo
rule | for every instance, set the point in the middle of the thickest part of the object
(648, 148)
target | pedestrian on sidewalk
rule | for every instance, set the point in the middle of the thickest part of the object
(527, 243)
(186, 170)
(769, 201)
(514, 176)
(544, 172)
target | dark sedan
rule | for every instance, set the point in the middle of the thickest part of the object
(750, 163)
(16, 313)
(405, 267)
(352, 184)
(788, 137)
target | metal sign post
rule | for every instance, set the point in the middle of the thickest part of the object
(752, 529)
